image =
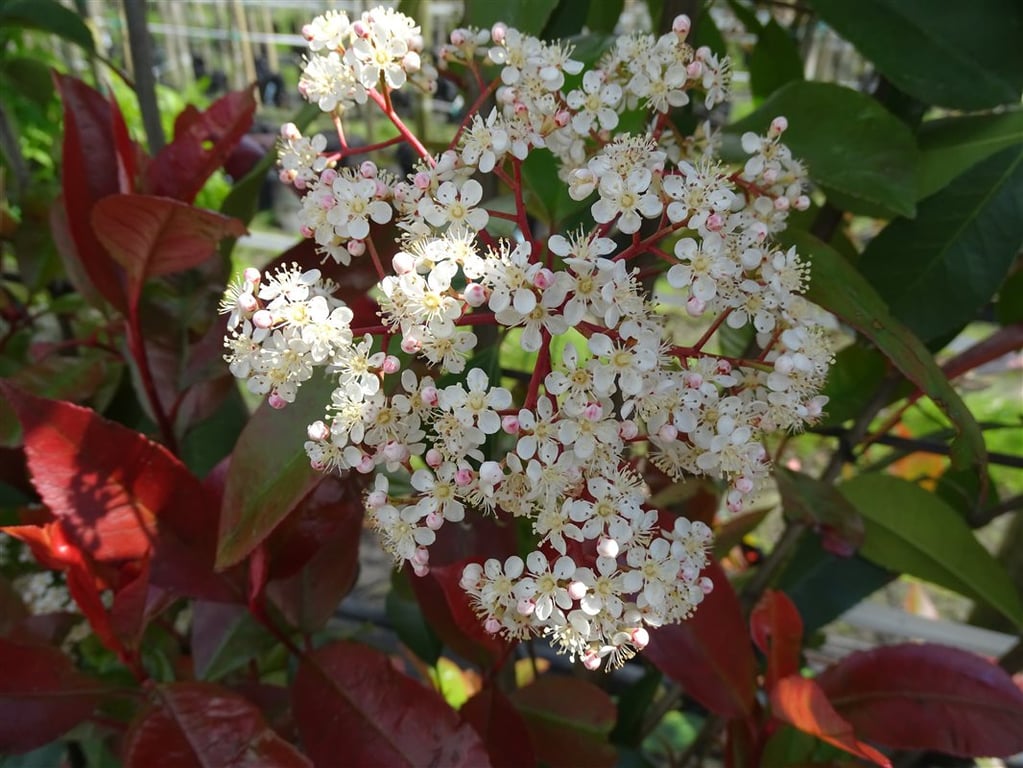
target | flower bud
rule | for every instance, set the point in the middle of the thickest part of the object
(695, 307)
(681, 25)
(607, 548)
(318, 431)
(744, 485)
(422, 180)
(577, 590)
(694, 70)
(375, 499)
(475, 295)
(276, 401)
(356, 247)
(434, 521)
(434, 458)
(251, 275)
(492, 626)
(403, 263)
(640, 638)
(498, 32)
(778, 125)
(328, 177)
(706, 585)
(421, 556)
(430, 395)
(543, 279)
(628, 430)
(263, 319)
(591, 661)
(668, 432)
(510, 424)
(247, 302)
(390, 365)
(464, 476)
(395, 451)
(420, 570)
(491, 473)
(411, 345)
(365, 465)
(525, 607)
(593, 411)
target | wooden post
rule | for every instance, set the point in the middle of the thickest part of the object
(272, 60)
(145, 82)
(248, 62)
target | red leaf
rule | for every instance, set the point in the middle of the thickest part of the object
(928, 697)
(777, 630)
(501, 727)
(153, 236)
(202, 143)
(42, 695)
(205, 725)
(309, 596)
(569, 721)
(709, 655)
(12, 609)
(349, 700)
(128, 614)
(95, 163)
(118, 495)
(802, 703)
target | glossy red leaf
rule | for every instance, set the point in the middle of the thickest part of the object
(801, 702)
(710, 655)
(128, 614)
(928, 697)
(349, 700)
(42, 695)
(777, 630)
(95, 163)
(225, 637)
(153, 236)
(118, 495)
(203, 140)
(504, 732)
(202, 725)
(328, 563)
(569, 721)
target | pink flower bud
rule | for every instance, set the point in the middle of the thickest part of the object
(668, 432)
(356, 247)
(375, 499)
(694, 70)
(464, 476)
(491, 473)
(681, 25)
(365, 465)
(434, 458)
(251, 275)
(410, 345)
(403, 263)
(591, 661)
(391, 365)
(693, 380)
(577, 590)
(628, 430)
(706, 585)
(308, 33)
(327, 201)
(329, 176)
(434, 521)
(368, 169)
(593, 411)
(724, 367)
(475, 295)
(715, 222)
(802, 203)
(781, 203)
(543, 279)
(263, 319)
(562, 117)
(422, 180)
(288, 176)
(289, 131)
(395, 451)
(318, 431)
(695, 306)
(744, 485)
(689, 572)
(770, 176)
(430, 395)
(421, 556)
(306, 231)
(361, 29)
(607, 548)
(457, 36)
(525, 607)
(640, 638)
(492, 626)
(276, 401)
(498, 32)
(778, 125)
(247, 302)
(420, 570)
(510, 424)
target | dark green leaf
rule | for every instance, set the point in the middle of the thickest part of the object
(706, 32)
(527, 16)
(852, 381)
(46, 16)
(224, 638)
(408, 621)
(29, 77)
(952, 145)
(839, 288)
(848, 141)
(913, 531)
(775, 60)
(546, 196)
(633, 704)
(808, 500)
(824, 586)
(936, 271)
(963, 489)
(944, 52)
(567, 19)
(1009, 308)
(603, 15)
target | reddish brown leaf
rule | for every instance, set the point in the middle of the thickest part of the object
(802, 703)
(42, 695)
(501, 727)
(309, 595)
(12, 609)
(128, 615)
(202, 725)
(118, 495)
(349, 700)
(928, 697)
(153, 236)
(777, 630)
(710, 655)
(203, 140)
(569, 721)
(94, 164)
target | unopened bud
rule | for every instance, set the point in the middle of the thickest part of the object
(434, 458)
(744, 485)
(318, 431)
(430, 395)
(492, 626)
(251, 275)
(695, 307)
(247, 302)
(464, 476)
(421, 556)
(403, 263)
(510, 424)
(491, 473)
(593, 411)
(375, 499)
(276, 401)
(422, 180)
(368, 169)
(681, 25)
(411, 345)
(640, 638)
(356, 247)
(365, 465)
(591, 661)
(781, 203)
(779, 124)
(391, 365)
(577, 590)
(475, 295)
(434, 521)
(498, 32)
(420, 570)
(668, 432)
(628, 430)
(715, 222)
(694, 70)
(544, 279)
(329, 176)
(607, 548)
(525, 607)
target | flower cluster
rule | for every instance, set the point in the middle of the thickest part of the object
(615, 385)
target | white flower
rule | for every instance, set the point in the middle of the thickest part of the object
(454, 206)
(479, 404)
(626, 198)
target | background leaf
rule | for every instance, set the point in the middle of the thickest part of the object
(47, 16)
(349, 700)
(944, 52)
(774, 60)
(913, 531)
(936, 271)
(928, 697)
(501, 727)
(527, 16)
(828, 125)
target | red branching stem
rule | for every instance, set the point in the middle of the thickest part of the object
(388, 109)
(352, 151)
(503, 215)
(520, 204)
(698, 346)
(475, 318)
(645, 245)
(543, 367)
(339, 127)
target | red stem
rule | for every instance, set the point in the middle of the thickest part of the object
(403, 129)
(543, 367)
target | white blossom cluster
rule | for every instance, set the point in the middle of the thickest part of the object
(613, 386)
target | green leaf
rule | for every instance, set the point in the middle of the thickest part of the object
(952, 145)
(775, 60)
(567, 19)
(944, 52)
(29, 77)
(848, 141)
(1009, 308)
(913, 531)
(407, 618)
(853, 379)
(603, 15)
(936, 271)
(269, 472)
(839, 288)
(47, 16)
(527, 16)
(808, 500)
(546, 196)
(224, 638)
